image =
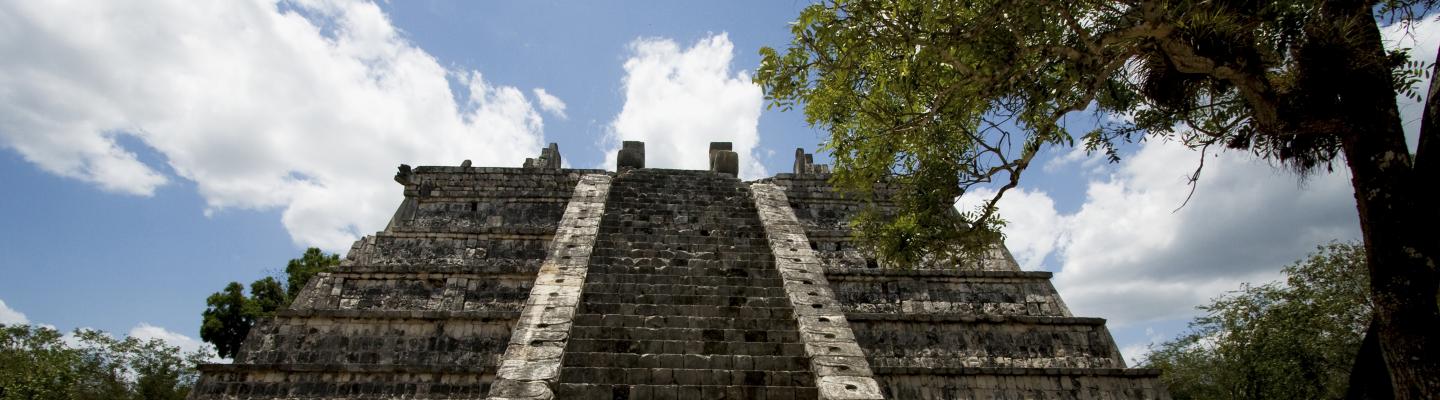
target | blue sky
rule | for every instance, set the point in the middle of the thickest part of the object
(155, 151)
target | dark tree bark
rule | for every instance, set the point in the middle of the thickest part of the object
(1368, 378)
(1397, 210)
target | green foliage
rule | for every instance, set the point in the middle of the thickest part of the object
(300, 270)
(229, 314)
(225, 320)
(1276, 341)
(939, 97)
(36, 363)
(266, 296)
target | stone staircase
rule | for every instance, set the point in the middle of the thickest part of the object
(421, 310)
(951, 331)
(683, 299)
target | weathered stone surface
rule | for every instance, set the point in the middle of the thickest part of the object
(827, 337)
(682, 298)
(723, 159)
(725, 162)
(805, 164)
(532, 361)
(423, 309)
(541, 282)
(549, 158)
(632, 155)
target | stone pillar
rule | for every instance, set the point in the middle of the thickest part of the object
(632, 155)
(723, 160)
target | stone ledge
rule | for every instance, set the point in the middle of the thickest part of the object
(1120, 372)
(972, 318)
(360, 368)
(401, 314)
(473, 232)
(411, 271)
(504, 170)
(481, 195)
(843, 273)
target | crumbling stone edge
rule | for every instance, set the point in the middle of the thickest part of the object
(532, 359)
(840, 368)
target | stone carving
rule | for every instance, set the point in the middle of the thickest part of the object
(632, 155)
(723, 160)
(542, 282)
(549, 158)
(805, 163)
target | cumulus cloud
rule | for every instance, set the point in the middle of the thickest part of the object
(305, 106)
(10, 316)
(146, 332)
(1128, 255)
(678, 100)
(550, 103)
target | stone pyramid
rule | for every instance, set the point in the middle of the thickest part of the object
(541, 282)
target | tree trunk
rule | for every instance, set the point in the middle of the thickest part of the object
(1368, 378)
(1398, 213)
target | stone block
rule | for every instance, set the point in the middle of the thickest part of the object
(725, 162)
(632, 155)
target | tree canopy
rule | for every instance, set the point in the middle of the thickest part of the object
(939, 97)
(38, 363)
(230, 313)
(1296, 339)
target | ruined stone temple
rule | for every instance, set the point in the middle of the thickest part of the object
(543, 282)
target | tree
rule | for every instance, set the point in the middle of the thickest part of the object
(939, 96)
(1273, 341)
(229, 314)
(37, 363)
(300, 270)
(225, 321)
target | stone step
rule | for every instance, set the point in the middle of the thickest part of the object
(724, 257)
(683, 255)
(683, 267)
(687, 300)
(583, 391)
(685, 347)
(589, 307)
(955, 341)
(685, 376)
(1137, 372)
(691, 334)
(691, 239)
(692, 361)
(639, 288)
(696, 239)
(683, 321)
(401, 314)
(836, 274)
(763, 281)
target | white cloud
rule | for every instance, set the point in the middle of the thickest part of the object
(10, 316)
(1420, 41)
(1033, 226)
(1136, 353)
(146, 332)
(304, 106)
(1129, 256)
(550, 103)
(677, 101)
